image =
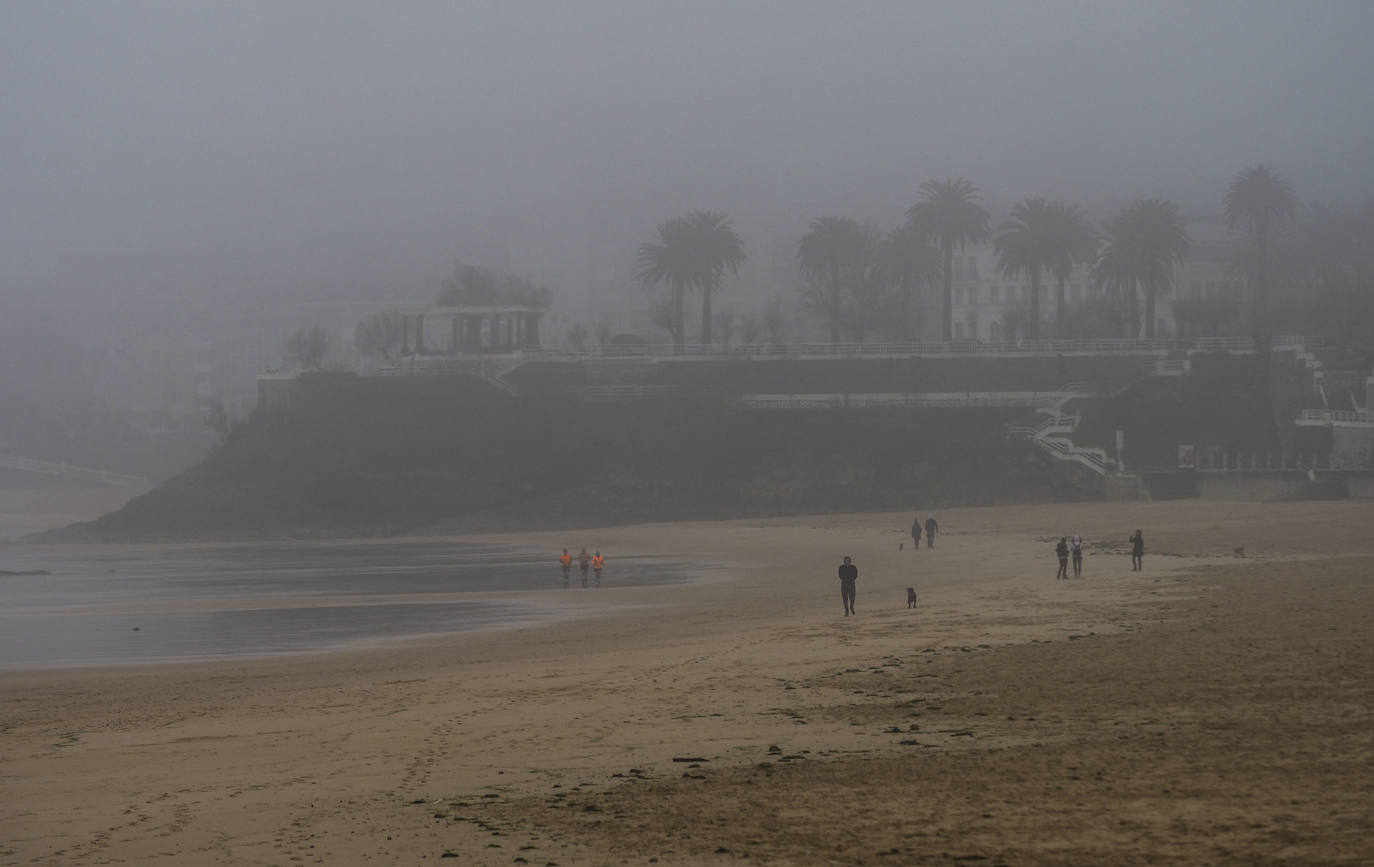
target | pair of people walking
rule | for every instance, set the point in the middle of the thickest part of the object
(584, 562)
(931, 527)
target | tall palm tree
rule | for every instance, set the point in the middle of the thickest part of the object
(907, 260)
(691, 252)
(1114, 272)
(1143, 245)
(1025, 244)
(670, 259)
(1261, 202)
(950, 214)
(833, 257)
(717, 249)
(1075, 242)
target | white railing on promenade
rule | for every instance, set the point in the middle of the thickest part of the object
(67, 471)
(420, 365)
(477, 365)
(1327, 416)
(661, 351)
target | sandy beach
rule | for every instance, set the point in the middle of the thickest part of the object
(1217, 707)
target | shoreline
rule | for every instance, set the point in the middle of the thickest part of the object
(312, 620)
(519, 732)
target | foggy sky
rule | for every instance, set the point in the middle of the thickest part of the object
(184, 127)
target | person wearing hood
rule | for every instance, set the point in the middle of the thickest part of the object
(931, 527)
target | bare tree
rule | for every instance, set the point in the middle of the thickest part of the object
(725, 325)
(751, 328)
(577, 335)
(308, 347)
(379, 334)
(773, 320)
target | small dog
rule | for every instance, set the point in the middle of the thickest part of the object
(911, 597)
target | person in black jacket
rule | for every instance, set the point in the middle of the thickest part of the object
(1062, 549)
(916, 534)
(849, 573)
(931, 527)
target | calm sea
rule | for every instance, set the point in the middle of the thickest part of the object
(149, 604)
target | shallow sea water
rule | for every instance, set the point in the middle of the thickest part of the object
(183, 603)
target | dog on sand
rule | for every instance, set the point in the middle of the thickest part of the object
(911, 597)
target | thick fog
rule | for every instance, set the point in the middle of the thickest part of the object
(209, 171)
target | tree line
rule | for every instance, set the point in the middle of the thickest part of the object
(1313, 266)
(859, 279)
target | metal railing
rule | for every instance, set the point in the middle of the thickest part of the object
(1327, 416)
(661, 351)
(414, 365)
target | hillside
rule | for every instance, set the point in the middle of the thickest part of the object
(380, 456)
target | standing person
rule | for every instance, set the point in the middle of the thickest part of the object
(583, 561)
(916, 534)
(1062, 549)
(849, 573)
(597, 563)
(565, 560)
(931, 526)
(1137, 552)
(1076, 549)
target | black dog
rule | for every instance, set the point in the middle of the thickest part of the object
(911, 597)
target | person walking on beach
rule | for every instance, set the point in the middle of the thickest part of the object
(916, 534)
(931, 526)
(597, 563)
(849, 573)
(1062, 550)
(565, 560)
(1137, 552)
(584, 560)
(1076, 549)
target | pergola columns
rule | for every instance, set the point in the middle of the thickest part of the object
(470, 330)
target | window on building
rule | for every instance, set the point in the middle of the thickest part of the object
(1075, 292)
(995, 294)
(958, 331)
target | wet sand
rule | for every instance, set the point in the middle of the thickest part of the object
(1215, 708)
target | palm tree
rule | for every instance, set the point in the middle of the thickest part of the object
(1025, 244)
(718, 248)
(907, 259)
(1114, 272)
(670, 259)
(1075, 242)
(1143, 245)
(833, 257)
(691, 252)
(949, 213)
(1261, 202)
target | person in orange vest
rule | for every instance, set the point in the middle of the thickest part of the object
(584, 560)
(565, 560)
(597, 562)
